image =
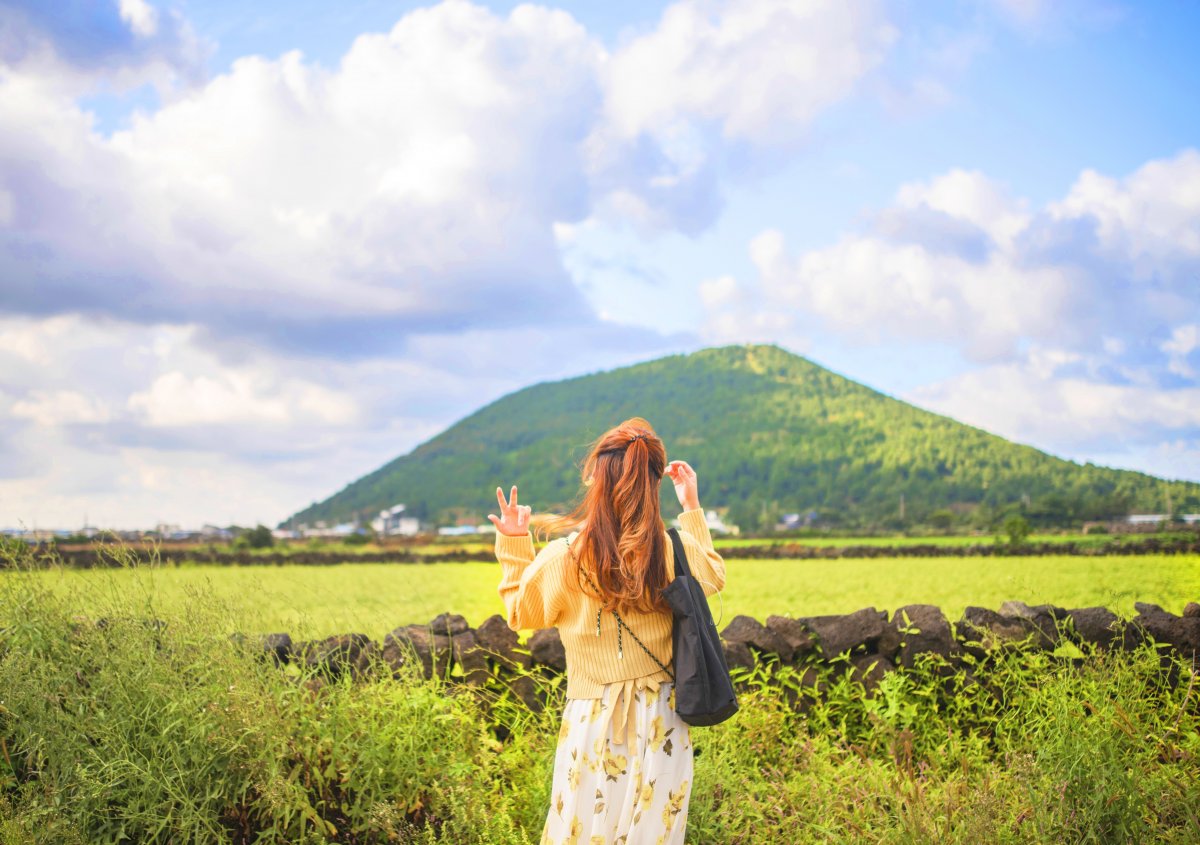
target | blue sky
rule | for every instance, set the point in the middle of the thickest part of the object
(249, 252)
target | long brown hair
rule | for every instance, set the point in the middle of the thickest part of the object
(620, 548)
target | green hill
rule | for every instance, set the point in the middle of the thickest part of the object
(769, 433)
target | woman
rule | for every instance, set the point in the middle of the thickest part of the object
(623, 767)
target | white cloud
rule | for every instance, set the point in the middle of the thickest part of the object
(60, 407)
(140, 15)
(175, 399)
(1079, 316)
(1149, 218)
(1183, 342)
(684, 102)
(1108, 272)
(254, 435)
(760, 70)
(310, 268)
(1068, 415)
(417, 185)
(113, 45)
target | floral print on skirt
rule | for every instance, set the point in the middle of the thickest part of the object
(622, 770)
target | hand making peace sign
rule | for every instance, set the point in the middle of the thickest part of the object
(514, 519)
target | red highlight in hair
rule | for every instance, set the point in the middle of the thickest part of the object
(621, 546)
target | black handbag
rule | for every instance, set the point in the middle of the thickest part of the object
(703, 689)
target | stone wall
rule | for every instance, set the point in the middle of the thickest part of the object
(869, 643)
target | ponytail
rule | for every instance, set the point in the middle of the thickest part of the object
(621, 547)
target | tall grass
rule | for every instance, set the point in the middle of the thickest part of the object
(145, 731)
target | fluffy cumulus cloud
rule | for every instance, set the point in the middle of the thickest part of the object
(684, 101)
(79, 43)
(415, 186)
(1080, 317)
(285, 274)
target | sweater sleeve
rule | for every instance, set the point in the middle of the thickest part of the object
(530, 602)
(707, 565)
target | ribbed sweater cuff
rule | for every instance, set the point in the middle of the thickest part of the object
(694, 523)
(520, 546)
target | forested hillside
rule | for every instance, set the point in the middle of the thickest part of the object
(769, 433)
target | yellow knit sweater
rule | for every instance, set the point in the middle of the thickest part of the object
(540, 592)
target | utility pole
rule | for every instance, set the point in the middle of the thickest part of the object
(901, 507)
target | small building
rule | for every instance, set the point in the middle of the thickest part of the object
(215, 533)
(462, 530)
(1147, 518)
(393, 522)
(718, 525)
(715, 523)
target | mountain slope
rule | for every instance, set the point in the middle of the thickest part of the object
(768, 432)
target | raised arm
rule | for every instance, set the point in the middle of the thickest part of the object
(706, 563)
(708, 567)
(527, 603)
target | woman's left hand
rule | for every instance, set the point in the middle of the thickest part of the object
(514, 519)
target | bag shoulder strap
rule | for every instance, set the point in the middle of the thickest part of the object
(621, 622)
(681, 562)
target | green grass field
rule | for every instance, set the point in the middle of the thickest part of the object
(312, 601)
(132, 733)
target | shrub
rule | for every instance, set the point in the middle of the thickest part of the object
(1015, 531)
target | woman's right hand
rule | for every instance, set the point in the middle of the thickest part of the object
(514, 520)
(684, 478)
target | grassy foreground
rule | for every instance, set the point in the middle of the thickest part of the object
(317, 601)
(136, 734)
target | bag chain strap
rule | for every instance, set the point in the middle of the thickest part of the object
(621, 624)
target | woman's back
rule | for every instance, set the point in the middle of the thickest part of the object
(539, 592)
(623, 765)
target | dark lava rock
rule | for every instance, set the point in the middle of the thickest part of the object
(526, 689)
(926, 630)
(838, 634)
(495, 635)
(748, 630)
(992, 629)
(279, 646)
(1181, 633)
(500, 643)
(1096, 625)
(869, 670)
(794, 635)
(471, 657)
(449, 624)
(409, 641)
(341, 653)
(547, 648)
(738, 655)
(889, 642)
(1045, 617)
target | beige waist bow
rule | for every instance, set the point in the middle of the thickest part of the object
(622, 710)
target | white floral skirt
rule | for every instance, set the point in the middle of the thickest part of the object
(623, 769)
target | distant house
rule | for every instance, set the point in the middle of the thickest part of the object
(715, 523)
(792, 521)
(1147, 518)
(393, 522)
(718, 525)
(215, 532)
(325, 531)
(1191, 518)
(464, 530)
